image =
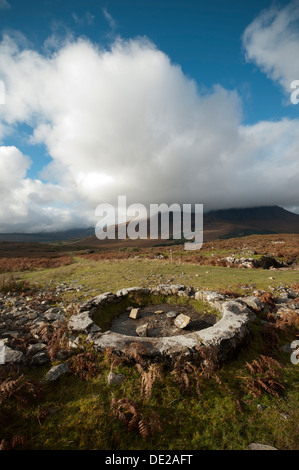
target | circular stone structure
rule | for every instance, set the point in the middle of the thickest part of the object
(225, 335)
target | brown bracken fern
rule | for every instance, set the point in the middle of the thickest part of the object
(264, 376)
(85, 365)
(128, 413)
(20, 389)
(148, 378)
(188, 373)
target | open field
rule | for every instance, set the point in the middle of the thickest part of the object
(160, 406)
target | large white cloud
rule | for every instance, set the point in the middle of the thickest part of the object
(127, 121)
(272, 42)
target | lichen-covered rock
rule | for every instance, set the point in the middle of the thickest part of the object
(13, 356)
(56, 371)
(81, 322)
(182, 321)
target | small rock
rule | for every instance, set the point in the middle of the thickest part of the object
(35, 348)
(93, 336)
(56, 371)
(171, 314)
(261, 407)
(135, 313)
(74, 342)
(142, 330)
(159, 312)
(252, 302)
(292, 294)
(11, 334)
(13, 355)
(259, 446)
(54, 316)
(115, 379)
(287, 348)
(40, 358)
(182, 321)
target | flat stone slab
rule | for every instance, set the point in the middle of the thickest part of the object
(182, 321)
(81, 322)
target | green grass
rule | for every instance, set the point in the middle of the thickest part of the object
(104, 276)
(81, 418)
(79, 410)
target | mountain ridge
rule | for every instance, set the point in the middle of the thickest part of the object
(222, 223)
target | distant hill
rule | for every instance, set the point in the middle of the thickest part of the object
(45, 237)
(252, 220)
(226, 223)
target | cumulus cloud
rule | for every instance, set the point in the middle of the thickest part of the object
(31, 205)
(127, 121)
(272, 42)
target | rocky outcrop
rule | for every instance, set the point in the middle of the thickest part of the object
(265, 262)
(23, 324)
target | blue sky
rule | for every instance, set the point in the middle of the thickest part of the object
(205, 40)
